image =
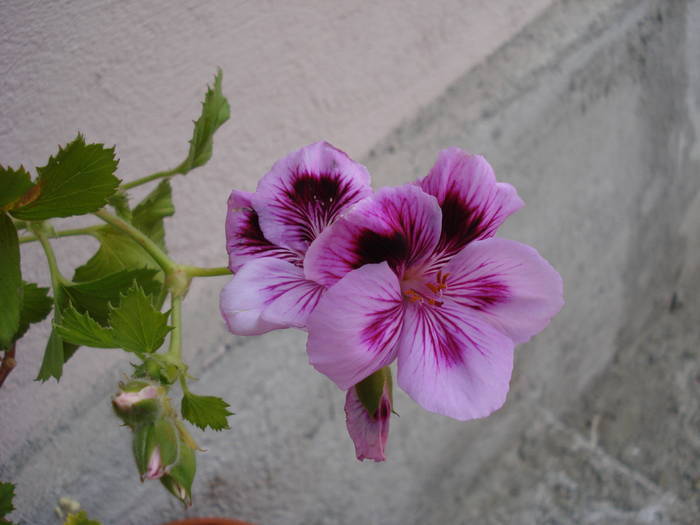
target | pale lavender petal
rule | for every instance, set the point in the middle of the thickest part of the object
(473, 204)
(398, 225)
(507, 282)
(354, 329)
(244, 238)
(155, 468)
(452, 362)
(267, 294)
(368, 433)
(305, 192)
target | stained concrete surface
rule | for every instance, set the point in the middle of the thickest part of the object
(592, 113)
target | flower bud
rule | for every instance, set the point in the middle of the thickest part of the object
(138, 402)
(368, 407)
(179, 480)
(156, 448)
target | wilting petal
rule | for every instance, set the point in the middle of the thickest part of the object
(267, 294)
(473, 204)
(368, 432)
(398, 225)
(509, 283)
(245, 239)
(355, 326)
(305, 192)
(452, 362)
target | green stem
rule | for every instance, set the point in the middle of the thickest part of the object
(196, 271)
(149, 178)
(57, 279)
(165, 262)
(175, 348)
(90, 230)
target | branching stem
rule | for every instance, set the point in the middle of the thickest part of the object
(149, 178)
(90, 230)
(196, 271)
(8, 363)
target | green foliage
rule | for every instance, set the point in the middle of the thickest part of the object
(81, 329)
(10, 281)
(52, 364)
(118, 251)
(78, 180)
(80, 518)
(138, 326)
(134, 325)
(205, 411)
(13, 184)
(36, 305)
(215, 111)
(149, 213)
(7, 494)
(179, 480)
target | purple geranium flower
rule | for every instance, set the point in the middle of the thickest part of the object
(415, 274)
(268, 234)
(368, 431)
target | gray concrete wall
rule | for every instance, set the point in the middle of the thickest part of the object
(591, 109)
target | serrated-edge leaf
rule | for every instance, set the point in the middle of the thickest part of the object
(83, 330)
(13, 184)
(117, 252)
(10, 281)
(215, 111)
(7, 494)
(36, 305)
(137, 325)
(205, 411)
(77, 180)
(52, 363)
(148, 215)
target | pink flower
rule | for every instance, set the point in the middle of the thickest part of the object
(414, 274)
(125, 400)
(268, 234)
(368, 409)
(155, 468)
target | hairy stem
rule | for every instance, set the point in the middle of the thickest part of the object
(165, 262)
(196, 271)
(149, 178)
(57, 279)
(175, 348)
(8, 363)
(90, 230)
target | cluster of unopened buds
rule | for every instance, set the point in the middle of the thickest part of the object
(412, 274)
(162, 447)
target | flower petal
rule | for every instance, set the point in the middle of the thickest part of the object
(473, 204)
(354, 328)
(244, 238)
(509, 283)
(398, 225)
(452, 362)
(305, 192)
(368, 433)
(267, 294)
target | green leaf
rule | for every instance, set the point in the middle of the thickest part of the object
(96, 296)
(13, 184)
(205, 411)
(137, 325)
(117, 252)
(78, 180)
(83, 330)
(10, 281)
(149, 214)
(80, 518)
(36, 305)
(52, 364)
(7, 494)
(215, 111)
(120, 202)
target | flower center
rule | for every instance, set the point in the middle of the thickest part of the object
(425, 292)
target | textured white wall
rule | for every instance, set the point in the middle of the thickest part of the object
(132, 74)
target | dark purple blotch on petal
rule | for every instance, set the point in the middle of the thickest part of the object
(372, 247)
(250, 240)
(316, 200)
(462, 222)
